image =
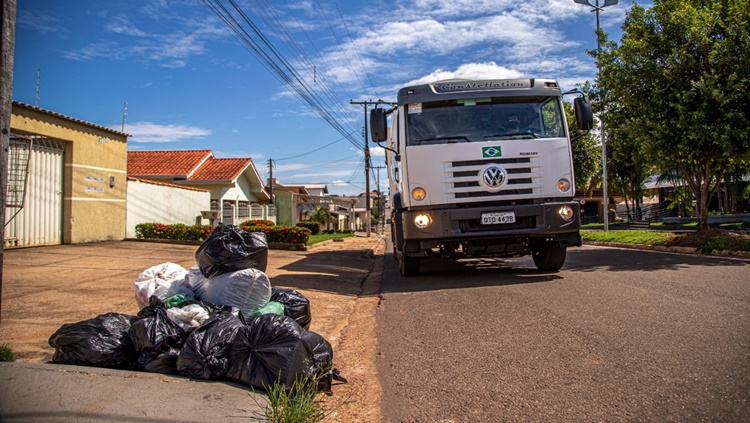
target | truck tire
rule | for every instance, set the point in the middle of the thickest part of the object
(549, 257)
(408, 266)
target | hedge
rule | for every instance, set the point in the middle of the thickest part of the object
(180, 231)
(315, 227)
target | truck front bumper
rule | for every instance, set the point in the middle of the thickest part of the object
(533, 222)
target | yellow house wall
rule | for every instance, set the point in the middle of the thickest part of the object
(92, 209)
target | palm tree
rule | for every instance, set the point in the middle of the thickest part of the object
(322, 215)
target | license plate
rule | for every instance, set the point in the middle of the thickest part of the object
(498, 218)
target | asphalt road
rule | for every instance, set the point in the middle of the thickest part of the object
(616, 336)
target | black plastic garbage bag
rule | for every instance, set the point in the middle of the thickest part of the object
(230, 248)
(275, 348)
(205, 353)
(100, 342)
(157, 339)
(296, 305)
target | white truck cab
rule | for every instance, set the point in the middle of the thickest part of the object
(481, 168)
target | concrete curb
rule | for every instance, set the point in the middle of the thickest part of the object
(680, 250)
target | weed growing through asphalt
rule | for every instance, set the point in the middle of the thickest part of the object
(6, 354)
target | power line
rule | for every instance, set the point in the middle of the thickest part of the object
(354, 46)
(312, 151)
(252, 37)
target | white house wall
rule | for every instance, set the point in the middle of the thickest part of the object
(151, 203)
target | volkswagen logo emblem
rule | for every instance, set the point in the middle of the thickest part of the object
(493, 177)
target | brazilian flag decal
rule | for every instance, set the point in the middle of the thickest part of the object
(491, 152)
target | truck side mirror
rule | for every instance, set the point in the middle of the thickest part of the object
(378, 125)
(584, 115)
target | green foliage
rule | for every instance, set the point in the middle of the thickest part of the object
(314, 227)
(281, 234)
(587, 159)
(314, 239)
(6, 354)
(257, 222)
(677, 88)
(295, 405)
(177, 231)
(683, 200)
(628, 237)
(322, 215)
(724, 243)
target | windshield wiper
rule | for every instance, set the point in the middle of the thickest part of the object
(513, 135)
(454, 137)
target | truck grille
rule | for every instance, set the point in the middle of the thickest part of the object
(463, 179)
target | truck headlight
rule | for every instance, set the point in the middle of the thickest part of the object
(422, 221)
(563, 185)
(566, 212)
(418, 193)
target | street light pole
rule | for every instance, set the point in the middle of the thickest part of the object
(605, 196)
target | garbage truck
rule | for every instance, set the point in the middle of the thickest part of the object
(481, 168)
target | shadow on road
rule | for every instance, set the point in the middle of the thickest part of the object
(341, 272)
(437, 274)
(594, 259)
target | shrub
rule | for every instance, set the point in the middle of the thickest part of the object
(289, 234)
(179, 231)
(314, 227)
(257, 222)
(6, 354)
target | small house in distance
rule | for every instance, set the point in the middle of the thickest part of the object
(236, 190)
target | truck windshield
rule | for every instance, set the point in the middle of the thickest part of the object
(483, 119)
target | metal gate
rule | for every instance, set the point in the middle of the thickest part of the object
(39, 221)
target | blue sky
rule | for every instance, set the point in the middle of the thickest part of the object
(183, 80)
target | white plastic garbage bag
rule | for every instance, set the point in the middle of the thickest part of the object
(247, 289)
(188, 317)
(163, 281)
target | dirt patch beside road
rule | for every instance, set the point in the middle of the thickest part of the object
(45, 287)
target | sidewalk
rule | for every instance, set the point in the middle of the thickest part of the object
(45, 287)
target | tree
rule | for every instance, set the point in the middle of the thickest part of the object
(321, 215)
(586, 152)
(677, 84)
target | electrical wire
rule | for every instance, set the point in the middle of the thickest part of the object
(312, 151)
(251, 36)
(354, 46)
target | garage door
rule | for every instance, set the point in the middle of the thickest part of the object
(34, 218)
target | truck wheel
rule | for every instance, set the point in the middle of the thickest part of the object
(549, 257)
(408, 266)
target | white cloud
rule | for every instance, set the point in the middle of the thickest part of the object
(40, 21)
(489, 70)
(152, 132)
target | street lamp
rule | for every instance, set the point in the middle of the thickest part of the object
(605, 197)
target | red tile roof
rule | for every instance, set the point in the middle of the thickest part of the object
(148, 181)
(221, 169)
(176, 164)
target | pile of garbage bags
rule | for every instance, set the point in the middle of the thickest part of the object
(220, 319)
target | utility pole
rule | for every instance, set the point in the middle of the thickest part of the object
(381, 209)
(270, 179)
(38, 82)
(124, 113)
(7, 46)
(367, 162)
(605, 195)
